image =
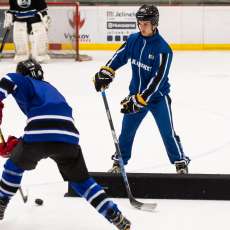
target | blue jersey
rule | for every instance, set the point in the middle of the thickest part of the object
(49, 115)
(150, 60)
(23, 10)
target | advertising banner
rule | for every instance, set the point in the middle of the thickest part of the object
(97, 24)
(101, 27)
(120, 23)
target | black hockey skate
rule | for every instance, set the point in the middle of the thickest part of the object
(3, 204)
(181, 167)
(115, 168)
(116, 217)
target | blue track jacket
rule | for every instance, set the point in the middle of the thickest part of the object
(150, 60)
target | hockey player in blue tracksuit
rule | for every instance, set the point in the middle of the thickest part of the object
(49, 132)
(150, 57)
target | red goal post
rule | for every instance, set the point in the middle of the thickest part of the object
(68, 27)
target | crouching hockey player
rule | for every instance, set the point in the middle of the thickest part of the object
(49, 132)
(30, 24)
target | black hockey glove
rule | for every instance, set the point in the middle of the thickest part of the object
(133, 104)
(103, 78)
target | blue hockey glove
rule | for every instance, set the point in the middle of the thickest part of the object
(133, 104)
(103, 78)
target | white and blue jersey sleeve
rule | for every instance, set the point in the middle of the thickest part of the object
(7, 86)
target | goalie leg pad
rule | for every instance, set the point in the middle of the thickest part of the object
(21, 41)
(39, 42)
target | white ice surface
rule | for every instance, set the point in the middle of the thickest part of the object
(201, 111)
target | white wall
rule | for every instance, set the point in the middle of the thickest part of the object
(179, 24)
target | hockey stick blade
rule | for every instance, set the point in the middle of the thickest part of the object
(148, 207)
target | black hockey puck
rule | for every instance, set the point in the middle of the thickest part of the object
(39, 201)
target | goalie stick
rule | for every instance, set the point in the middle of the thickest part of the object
(136, 204)
(24, 197)
(5, 36)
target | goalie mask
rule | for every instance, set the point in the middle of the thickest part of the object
(30, 68)
(148, 13)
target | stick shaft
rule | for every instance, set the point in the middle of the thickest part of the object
(5, 36)
(135, 203)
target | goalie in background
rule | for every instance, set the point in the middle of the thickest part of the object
(149, 88)
(49, 132)
(30, 23)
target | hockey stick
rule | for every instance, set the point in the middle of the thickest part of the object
(5, 36)
(136, 204)
(24, 197)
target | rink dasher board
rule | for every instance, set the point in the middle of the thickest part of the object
(164, 186)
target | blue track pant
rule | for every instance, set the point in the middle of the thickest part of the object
(161, 111)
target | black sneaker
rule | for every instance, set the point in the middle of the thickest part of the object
(116, 217)
(3, 204)
(181, 167)
(115, 168)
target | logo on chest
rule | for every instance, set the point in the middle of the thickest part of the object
(141, 65)
(151, 56)
(24, 3)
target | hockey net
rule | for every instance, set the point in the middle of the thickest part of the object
(63, 34)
